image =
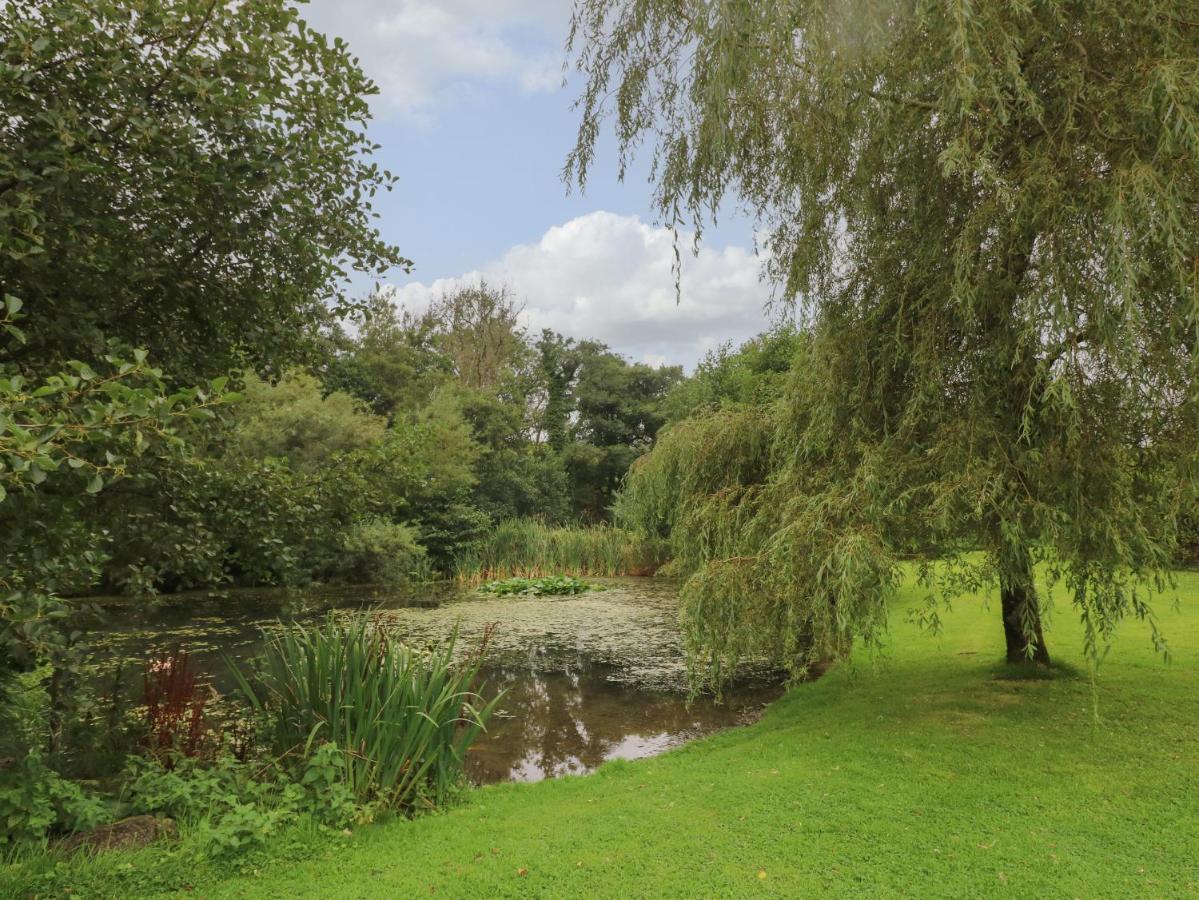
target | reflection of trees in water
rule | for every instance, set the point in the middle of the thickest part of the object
(569, 710)
(573, 718)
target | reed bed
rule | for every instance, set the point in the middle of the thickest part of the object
(526, 548)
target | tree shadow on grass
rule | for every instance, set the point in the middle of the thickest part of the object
(1029, 671)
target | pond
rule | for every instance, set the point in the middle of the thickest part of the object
(586, 678)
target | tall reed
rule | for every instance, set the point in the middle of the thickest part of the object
(403, 717)
(526, 548)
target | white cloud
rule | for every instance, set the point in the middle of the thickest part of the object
(420, 52)
(609, 277)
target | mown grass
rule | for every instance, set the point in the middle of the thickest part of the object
(526, 548)
(932, 771)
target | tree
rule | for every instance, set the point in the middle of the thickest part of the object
(392, 363)
(294, 420)
(987, 213)
(597, 412)
(557, 367)
(478, 329)
(515, 478)
(618, 411)
(755, 374)
(188, 175)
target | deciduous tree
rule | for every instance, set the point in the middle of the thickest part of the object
(986, 212)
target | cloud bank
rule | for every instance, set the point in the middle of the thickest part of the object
(609, 277)
(423, 52)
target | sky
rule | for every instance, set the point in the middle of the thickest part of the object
(475, 120)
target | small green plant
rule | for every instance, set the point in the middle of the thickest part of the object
(550, 586)
(36, 801)
(401, 718)
(328, 797)
(231, 806)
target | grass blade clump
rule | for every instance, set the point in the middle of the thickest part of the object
(403, 717)
(527, 548)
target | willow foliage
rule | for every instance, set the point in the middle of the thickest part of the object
(987, 213)
(744, 526)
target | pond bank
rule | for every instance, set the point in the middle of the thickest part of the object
(587, 678)
(922, 774)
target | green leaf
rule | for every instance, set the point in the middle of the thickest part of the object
(96, 484)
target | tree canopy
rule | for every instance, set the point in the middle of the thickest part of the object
(986, 215)
(191, 176)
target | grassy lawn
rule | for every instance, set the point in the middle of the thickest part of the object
(931, 771)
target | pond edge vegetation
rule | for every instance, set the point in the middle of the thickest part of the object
(528, 548)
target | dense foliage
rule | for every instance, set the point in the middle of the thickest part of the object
(187, 176)
(190, 398)
(986, 212)
(184, 175)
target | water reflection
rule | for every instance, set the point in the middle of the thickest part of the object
(568, 722)
(587, 679)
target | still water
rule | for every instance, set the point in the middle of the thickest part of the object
(587, 679)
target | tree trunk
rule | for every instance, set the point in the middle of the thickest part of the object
(1022, 616)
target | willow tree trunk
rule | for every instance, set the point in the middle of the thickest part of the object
(1022, 614)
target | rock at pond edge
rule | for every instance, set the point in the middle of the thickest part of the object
(127, 834)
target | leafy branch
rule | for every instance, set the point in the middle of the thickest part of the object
(86, 421)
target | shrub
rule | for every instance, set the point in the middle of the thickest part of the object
(36, 801)
(403, 717)
(232, 806)
(174, 703)
(383, 552)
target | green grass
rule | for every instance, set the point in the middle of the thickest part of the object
(932, 771)
(526, 548)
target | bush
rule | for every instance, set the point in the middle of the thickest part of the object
(233, 806)
(36, 801)
(384, 552)
(403, 717)
(294, 419)
(174, 700)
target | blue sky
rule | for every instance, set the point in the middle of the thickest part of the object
(473, 118)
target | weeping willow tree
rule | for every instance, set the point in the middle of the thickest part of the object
(987, 213)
